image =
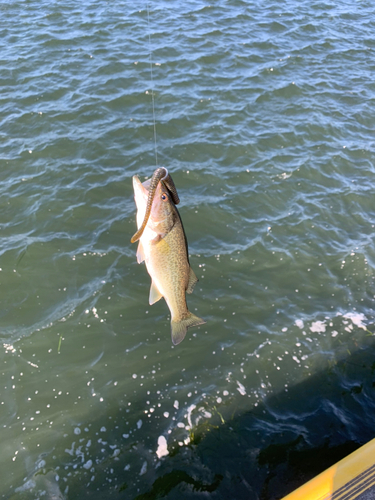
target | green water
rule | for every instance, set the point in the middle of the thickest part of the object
(264, 117)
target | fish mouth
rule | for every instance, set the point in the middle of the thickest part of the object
(136, 183)
(160, 174)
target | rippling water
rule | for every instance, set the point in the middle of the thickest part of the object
(265, 118)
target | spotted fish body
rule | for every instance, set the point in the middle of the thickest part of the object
(163, 247)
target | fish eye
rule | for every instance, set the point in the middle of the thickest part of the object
(164, 197)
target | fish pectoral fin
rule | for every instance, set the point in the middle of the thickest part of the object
(159, 238)
(192, 281)
(140, 253)
(155, 295)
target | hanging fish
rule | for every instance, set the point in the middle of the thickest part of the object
(163, 247)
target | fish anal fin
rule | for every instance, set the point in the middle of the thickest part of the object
(140, 253)
(179, 328)
(192, 281)
(155, 295)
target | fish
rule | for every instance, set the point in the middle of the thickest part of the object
(164, 249)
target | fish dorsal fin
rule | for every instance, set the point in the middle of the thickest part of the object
(140, 253)
(192, 281)
(155, 295)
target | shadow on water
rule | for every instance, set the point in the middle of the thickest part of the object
(272, 449)
(260, 454)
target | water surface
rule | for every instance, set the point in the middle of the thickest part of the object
(264, 117)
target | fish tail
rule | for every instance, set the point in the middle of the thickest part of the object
(179, 328)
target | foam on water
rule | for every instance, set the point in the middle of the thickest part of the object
(162, 450)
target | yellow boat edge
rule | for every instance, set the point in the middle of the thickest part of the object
(349, 478)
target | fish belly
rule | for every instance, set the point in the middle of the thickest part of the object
(168, 268)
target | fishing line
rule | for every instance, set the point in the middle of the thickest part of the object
(152, 83)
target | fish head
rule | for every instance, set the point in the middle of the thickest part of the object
(163, 210)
